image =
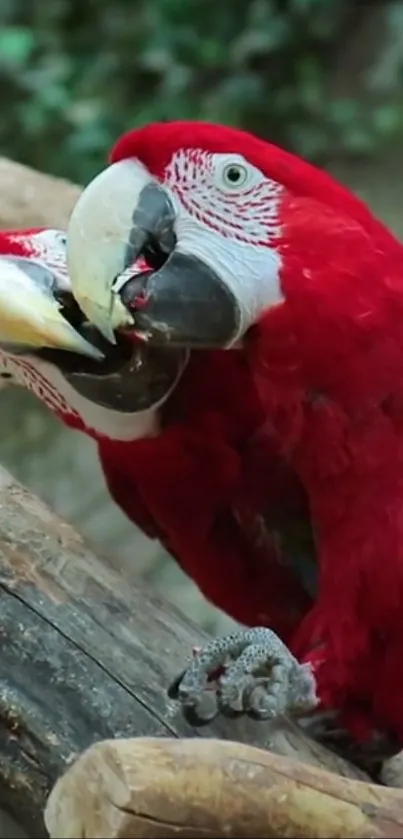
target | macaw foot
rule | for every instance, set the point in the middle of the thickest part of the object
(248, 672)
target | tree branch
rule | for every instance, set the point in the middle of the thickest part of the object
(85, 657)
(192, 788)
(32, 199)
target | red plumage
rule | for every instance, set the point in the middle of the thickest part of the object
(204, 484)
(201, 486)
(338, 417)
(328, 365)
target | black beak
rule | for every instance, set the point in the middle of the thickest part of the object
(133, 378)
(183, 301)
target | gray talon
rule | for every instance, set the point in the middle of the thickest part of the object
(257, 701)
(205, 707)
(260, 677)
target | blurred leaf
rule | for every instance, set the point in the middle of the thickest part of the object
(74, 75)
(16, 45)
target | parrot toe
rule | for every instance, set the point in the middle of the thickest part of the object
(248, 672)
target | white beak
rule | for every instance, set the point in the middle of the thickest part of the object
(30, 315)
(99, 242)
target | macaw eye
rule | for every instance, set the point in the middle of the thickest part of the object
(234, 175)
(62, 239)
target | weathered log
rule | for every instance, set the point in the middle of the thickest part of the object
(32, 199)
(85, 657)
(147, 787)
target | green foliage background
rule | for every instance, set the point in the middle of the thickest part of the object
(74, 74)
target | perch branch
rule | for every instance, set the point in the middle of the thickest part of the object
(32, 199)
(84, 657)
(191, 788)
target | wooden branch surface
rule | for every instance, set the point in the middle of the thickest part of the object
(191, 788)
(85, 657)
(32, 199)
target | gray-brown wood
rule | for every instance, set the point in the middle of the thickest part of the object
(85, 657)
(153, 788)
(32, 199)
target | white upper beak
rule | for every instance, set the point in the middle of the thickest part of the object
(98, 242)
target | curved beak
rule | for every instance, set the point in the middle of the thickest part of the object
(125, 214)
(30, 313)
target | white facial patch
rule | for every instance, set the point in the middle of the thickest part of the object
(228, 216)
(48, 246)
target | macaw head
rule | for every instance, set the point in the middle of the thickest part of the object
(48, 346)
(35, 293)
(231, 225)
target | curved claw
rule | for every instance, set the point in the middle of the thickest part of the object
(255, 674)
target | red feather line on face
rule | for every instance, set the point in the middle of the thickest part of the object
(155, 144)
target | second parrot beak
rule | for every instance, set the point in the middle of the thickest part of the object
(125, 214)
(31, 315)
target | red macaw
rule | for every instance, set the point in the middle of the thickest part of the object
(182, 456)
(255, 249)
